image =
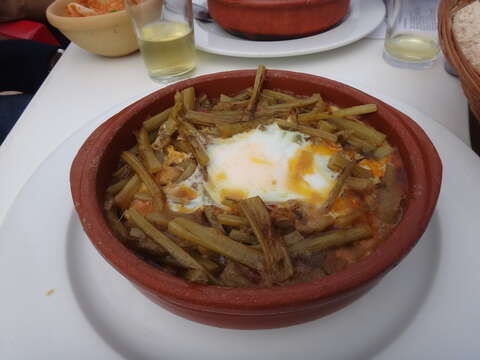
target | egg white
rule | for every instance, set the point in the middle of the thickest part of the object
(259, 163)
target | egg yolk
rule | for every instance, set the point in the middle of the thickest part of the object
(185, 193)
(377, 167)
(303, 164)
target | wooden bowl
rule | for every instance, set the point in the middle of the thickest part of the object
(255, 308)
(108, 34)
(277, 19)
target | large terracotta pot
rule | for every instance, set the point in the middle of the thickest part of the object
(255, 308)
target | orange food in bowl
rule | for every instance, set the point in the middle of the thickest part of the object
(108, 33)
(93, 7)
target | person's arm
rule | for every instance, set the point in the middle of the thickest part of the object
(11, 10)
(24, 64)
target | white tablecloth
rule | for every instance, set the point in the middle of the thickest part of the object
(82, 86)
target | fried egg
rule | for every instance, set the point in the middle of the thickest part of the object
(272, 163)
(275, 164)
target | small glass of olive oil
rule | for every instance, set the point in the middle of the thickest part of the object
(411, 37)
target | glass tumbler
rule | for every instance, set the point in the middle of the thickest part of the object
(164, 30)
(411, 39)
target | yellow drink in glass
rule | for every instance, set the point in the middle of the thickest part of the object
(168, 48)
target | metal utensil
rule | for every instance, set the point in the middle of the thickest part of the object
(201, 13)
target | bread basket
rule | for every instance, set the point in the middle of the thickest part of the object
(469, 76)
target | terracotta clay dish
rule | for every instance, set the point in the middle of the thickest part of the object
(255, 308)
(277, 19)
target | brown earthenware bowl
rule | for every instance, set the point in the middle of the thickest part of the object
(255, 308)
(277, 19)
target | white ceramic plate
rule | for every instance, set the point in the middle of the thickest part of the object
(363, 17)
(427, 307)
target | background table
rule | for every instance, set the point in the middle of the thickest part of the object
(82, 86)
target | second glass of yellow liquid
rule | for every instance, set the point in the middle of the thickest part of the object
(165, 36)
(411, 39)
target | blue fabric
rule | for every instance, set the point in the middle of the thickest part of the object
(11, 107)
(24, 64)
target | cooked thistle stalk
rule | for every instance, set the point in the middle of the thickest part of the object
(243, 237)
(212, 119)
(389, 197)
(243, 95)
(360, 130)
(277, 95)
(331, 239)
(188, 95)
(208, 264)
(293, 238)
(213, 240)
(209, 212)
(167, 129)
(189, 167)
(116, 225)
(116, 187)
(228, 130)
(265, 114)
(143, 196)
(232, 204)
(183, 257)
(123, 171)
(307, 130)
(359, 144)
(232, 276)
(204, 101)
(189, 132)
(337, 188)
(154, 122)
(183, 146)
(320, 105)
(278, 266)
(351, 111)
(383, 151)
(326, 126)
(257, 88)
(153, 188)
(196, 276)
(296, 104)
(345, 221)
(151, 162)
(224, 98)
(125, 196)
(160, 220)
(228, 104)
(339, 161)
(359, 184)
(232, 220)
(315, 224)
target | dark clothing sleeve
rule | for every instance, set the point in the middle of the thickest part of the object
(24, 64)
(11, 10)
(11, 107)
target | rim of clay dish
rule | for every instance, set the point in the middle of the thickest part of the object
(274, 3)
(421, 161)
